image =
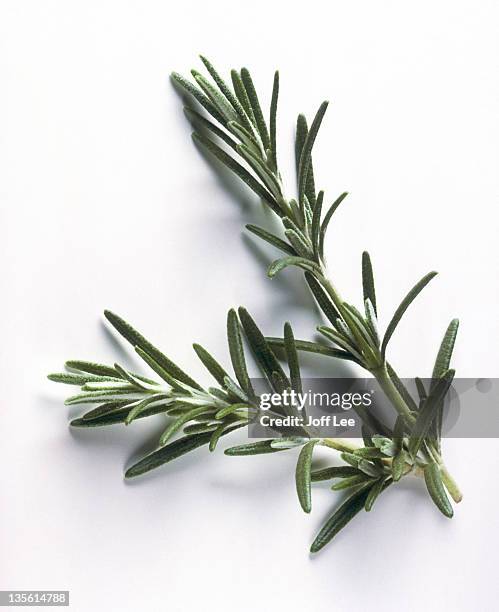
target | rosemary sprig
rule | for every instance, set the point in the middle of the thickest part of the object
(205, 415)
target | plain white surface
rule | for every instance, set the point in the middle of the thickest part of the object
(106, 203)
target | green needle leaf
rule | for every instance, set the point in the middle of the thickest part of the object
(242, 95)
(327, 219)
(301, 136)
(404, 305)
(374, 493)
(199, 97)
(177, 424)
(237, 352)
(368, 280)
(92, 368)
(303, 476)
(211, 364)
(442, 364)
(312, 347)
(428, 411)
(342, 471)
(169, 453)
(436, 489)
(262, 351)
(325, 304)
(273, 117)
(224, 88)
(444, 356)
(239, 171)
(341, 517)
(137, 339)
(316, 224)
(196, 118)
(112, 417)
(292, 356)
(401, 388)
(271, 239)
(255, 105)
(285, 262)
(306, 153)
(253, 448)
(398, 464)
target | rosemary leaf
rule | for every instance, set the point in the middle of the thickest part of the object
(241, 172)
(312, 347)
(210, 363)
(237, 352)
(303, 477)
(199, 97)
(329, 473)
(271, 239)
(339, 519)
(436, 489)
(292, 356)
(197, 118)
(306, 153)
(368, 281)
(137, 339)
(242, 95)
(404, 305)
(255, 105)
(253, 448)
(262, 351)
(327, 219)
(300, 262)
(273, 117)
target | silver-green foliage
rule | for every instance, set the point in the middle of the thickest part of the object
(237, 134)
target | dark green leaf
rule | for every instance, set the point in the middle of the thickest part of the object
(316, 224)
(341, 517)
(255, 105)
(374, 493)
(211, 364)
(178, 423)
(271, 239)
(137, 339)
(237, 352)
(239, 171)
(253, 448)
(401, 388)
(312, 347)
(428, 411)
(436, 489)
(273, 117)
(368, 280)
(301, 136)
(342, 471)
(352, 481)
(168, 453)
(242, 95)
(262, 351)
(442, 362)
(225, 90)
(300, 262)
(327, 219)
(306, 152)
(112, 417)
(303, 476)
(292, 356)
(406, 302)
(205, 102)
(196, 117)
(325, 304)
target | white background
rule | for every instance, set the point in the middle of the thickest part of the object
(106, 203)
